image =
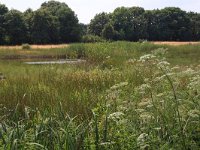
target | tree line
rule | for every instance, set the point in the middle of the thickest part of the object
(54, 22)
(135, 23)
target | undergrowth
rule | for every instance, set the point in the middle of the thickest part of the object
(132, 99)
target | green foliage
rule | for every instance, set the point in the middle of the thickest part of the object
(97, 23)
(134, 23)
(91, 39)
(53, 22)
(3, 11)
(57, 24)
(125, 96)
(130, 21)
(69, 29)
(174, 24)
(15, 27)
(195, 24)
(108, 32)
(83, 29)
(47, 24)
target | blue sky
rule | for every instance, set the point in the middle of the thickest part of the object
(86, 9)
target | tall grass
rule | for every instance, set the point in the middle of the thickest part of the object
(126, 96)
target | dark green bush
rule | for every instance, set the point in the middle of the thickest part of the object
(92, 39)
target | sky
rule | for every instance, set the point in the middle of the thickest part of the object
(86, 9)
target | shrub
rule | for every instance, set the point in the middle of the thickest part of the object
(92, 39)
(142, 40)
(26, 46)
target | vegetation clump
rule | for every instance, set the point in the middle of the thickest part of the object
(26, 46)
(92, 39)
(126, 96)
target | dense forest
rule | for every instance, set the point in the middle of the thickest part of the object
(55, 22)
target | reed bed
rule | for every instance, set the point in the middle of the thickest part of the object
(125, 96)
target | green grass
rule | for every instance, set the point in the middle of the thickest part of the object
(116, 100)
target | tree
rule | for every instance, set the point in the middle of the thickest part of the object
(173, 24)
(195, 25)
(69, 28)
(152, 25)
(108, 32)
(3, 11)
(15, 27)
(130, 22)
(83, 28)
(97, 24)
(28, 16)
(44, 28)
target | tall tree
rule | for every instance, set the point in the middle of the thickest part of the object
(28, 16)
(3, 11)
(152, 26)
(97, 24)
(195, 25)
(44, 27)
(15, 27)
(69, 28)
(174, 24)
(130, 22)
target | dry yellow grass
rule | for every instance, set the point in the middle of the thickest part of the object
(35, 46)
(175, 43)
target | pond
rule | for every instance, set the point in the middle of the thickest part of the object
(64, 61)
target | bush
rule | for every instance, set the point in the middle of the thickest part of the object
(26, 46)
(92, 39)
(142, 40)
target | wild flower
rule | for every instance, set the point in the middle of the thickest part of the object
(140, 110)
(107, 143)
(194, 84)
(144, 102)
(122, 108)
(149, 105)
(160, 52)
(159, 95)
(163, 77)
(118, 86)
(175, 68)
(107, 57)
(116, 116)
(146, 117)
(187, 72)
(194, 113)
(163, 64)
(157, 128)
(142, 140)
(142, 89)
(147, 57)
(131, 61)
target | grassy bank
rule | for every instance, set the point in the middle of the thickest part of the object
(126, 96)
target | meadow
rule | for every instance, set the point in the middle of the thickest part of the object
(127, 95)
